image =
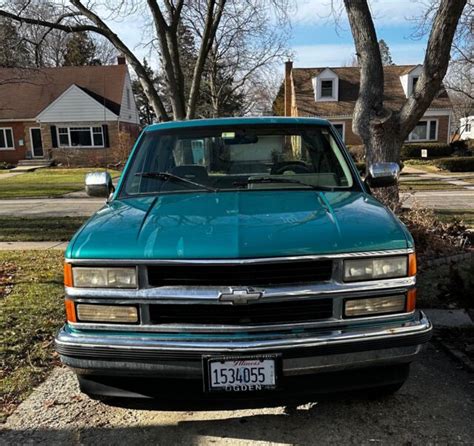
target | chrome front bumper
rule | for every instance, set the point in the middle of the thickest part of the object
(303, 352)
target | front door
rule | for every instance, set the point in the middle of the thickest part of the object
(36, 143)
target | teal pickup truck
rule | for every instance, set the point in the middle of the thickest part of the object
(241, 258)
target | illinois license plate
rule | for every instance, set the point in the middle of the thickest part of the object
(241, 374)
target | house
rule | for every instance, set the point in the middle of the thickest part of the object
(331, 93)
(466, 128)
(79, 115)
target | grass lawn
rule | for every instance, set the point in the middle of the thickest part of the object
(51, 182)
(22, 229)
(424, 165)
(421, 185)
(31, 308)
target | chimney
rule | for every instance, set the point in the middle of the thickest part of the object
(288, 87)
(121, 60)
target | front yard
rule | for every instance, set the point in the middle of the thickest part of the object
(50, 182)
(31, 308)
(22, 229)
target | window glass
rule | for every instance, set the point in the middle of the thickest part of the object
(419, 132)
(414, 80)
(432, 130)
(2, 139)
(9, 137)
(340, 129)
(98, 136)
(238, 158)
(80, 136)
(326, 89)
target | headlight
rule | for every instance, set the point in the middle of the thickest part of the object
(88, 277)
(374, 306)
(376, 268)
(106, 313)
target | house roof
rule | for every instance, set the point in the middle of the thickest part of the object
(349, 77)
(24, 93)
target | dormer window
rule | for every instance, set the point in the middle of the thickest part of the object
(327, 88)
(414, 80)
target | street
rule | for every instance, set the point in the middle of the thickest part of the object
(78, 207)
(435, 406)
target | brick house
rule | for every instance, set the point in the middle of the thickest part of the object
(331, 93)
(80, 115)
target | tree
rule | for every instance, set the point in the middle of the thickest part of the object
(250, 44)
(145, 111)
(166, 16)
(385, 53)
(13, 51)
(80, 50)
(382, 129)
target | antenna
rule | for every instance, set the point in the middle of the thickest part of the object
(104, 127)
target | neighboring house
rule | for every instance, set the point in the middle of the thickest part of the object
(331, 93)
(80, 114)
(466, 127)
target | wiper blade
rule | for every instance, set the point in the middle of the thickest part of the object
(285, 180)
(165, 176)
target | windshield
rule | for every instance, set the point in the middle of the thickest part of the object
(212, 159)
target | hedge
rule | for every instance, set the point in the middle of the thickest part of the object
(456, 164)
(434, 150)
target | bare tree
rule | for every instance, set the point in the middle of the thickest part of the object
(167, 15)
(251, 41)
(382, 129)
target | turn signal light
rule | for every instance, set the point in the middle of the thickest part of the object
(70, 311)
(68, 275)
(412, 265)
(411, 300)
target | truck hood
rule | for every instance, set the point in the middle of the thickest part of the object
(211, 225)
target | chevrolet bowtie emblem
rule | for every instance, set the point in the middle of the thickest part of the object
(240, 296)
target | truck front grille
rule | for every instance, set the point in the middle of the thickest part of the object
(301, 310)
(234, 274)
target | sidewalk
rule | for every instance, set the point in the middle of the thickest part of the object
(456, 179)
(30, 246)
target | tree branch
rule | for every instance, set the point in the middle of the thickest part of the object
(435, 64)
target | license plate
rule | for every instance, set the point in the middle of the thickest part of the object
(240, 374)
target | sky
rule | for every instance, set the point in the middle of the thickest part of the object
(316, 40)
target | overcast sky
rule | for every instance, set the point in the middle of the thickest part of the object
(316, 40)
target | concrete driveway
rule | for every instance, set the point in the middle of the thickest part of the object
(435, 406)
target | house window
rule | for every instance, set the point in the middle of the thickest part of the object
(6, 139)
(414, 80)
(80, 137)
(326, 89)
(468, 127)
(340, 129)
(424, 131)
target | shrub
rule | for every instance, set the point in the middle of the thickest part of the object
(433, 237)
(4, 165)
(458, 164)
(357, 152)
(361, 167)
(414, 150)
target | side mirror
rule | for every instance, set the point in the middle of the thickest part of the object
(99, 184)
(383, 175)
